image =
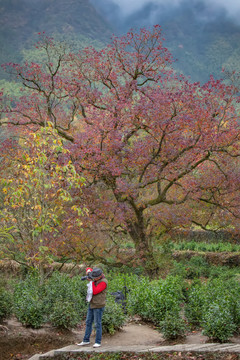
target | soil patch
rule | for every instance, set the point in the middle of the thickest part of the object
(20, 343)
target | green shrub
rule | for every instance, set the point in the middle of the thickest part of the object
(113, 317)
(60, 288)
(6, 304)
(117, 281)
(218, 290)
(29, 302)
(139, 297)
(194, 307)
(218, 322)
(196, 267)
(29, 311)
(78, 295)
(232, 295)
(204, 246)
(221, 291)
(222, 272)
(167, 297)
(179, 269)
(213, 304)
(152, 299)
(64, 315)
(173, 326)
(56, 288)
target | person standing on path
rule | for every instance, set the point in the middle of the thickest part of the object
(96, 307)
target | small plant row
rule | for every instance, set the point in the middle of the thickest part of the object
(215, 307)
(171, 304)
(60, 301)
(198, 267)
(203, 246)
(175, 307)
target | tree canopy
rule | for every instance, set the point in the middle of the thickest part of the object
(157, 152)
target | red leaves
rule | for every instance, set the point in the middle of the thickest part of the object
(157, 151)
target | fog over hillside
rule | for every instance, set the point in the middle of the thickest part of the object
(150, 12)
(203, 35)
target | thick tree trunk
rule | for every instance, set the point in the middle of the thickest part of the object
(143, 246)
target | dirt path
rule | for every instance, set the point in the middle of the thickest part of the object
(22, 343)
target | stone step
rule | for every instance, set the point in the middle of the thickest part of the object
(201, 348)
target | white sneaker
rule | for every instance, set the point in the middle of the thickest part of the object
(83, 343)
(96, 345)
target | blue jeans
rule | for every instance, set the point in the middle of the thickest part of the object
(94, 315)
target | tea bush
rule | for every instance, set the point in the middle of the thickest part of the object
(153, 299)
(218, 322)
(179, 269)
(6, 304)
(195, 302)
(61, 300)
(140, 299)
(204, 246)
(215, 306)
(173, 326)
(29, 302)
(113, 317)
(124, 282)
(61, 288)
(197, 267)
(64, 315)
(223, 291)
(167, 297)
(36, 303)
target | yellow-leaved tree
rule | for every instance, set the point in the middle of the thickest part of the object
(38, 191)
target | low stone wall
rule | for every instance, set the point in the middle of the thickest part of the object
(205, 236)
(12, 267)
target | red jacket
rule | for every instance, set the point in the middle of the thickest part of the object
(99, 293)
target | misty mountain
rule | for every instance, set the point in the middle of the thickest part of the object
(201, 36)
(22, 20)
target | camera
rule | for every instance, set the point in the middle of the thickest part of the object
(95, 274)
(88, 277)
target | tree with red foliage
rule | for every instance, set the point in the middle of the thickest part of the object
(158, 152)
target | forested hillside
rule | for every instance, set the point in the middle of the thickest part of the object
(70, 20)
(202, 36)
(201, 41)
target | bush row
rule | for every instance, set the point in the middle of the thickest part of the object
(60, 301)
(198, 267)
(172, 304)
(204, 246)
(214, 306)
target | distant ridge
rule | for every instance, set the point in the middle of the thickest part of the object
(21, 20)
(200, 34)
(201, 44)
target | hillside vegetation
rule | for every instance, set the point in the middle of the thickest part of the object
(201, 43)
(71, 20)
(200, 34)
